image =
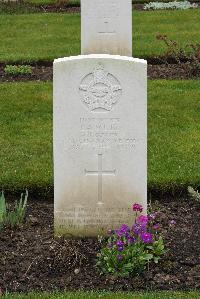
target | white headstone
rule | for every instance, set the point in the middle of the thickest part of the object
(100, 134)
(106, 27)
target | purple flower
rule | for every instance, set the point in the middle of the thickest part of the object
(142, 219)
(130, 240)
(125, 227)
(153, 216)
(139, 228)
(123, 230)
(156, 226)
(119, 257)
(146, 237)
(120, 233)
(137, 207)
(172, 222)
(119, 243)
(120, 249)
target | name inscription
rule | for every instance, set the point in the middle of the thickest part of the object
(100, 134)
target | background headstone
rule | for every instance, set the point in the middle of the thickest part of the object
(100, 154)
(106, 27)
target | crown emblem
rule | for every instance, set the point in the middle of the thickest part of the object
(100, 90)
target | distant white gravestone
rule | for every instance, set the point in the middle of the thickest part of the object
(106, 27)
(100, 135)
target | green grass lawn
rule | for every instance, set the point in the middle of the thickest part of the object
(33, 37)
(173, 133)
(26, 135)
(108, 295)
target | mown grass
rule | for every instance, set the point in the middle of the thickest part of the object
(33, 37)
(26, 135)
(173, 134)
(107, 295)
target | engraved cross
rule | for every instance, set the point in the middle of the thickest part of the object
(100, 172)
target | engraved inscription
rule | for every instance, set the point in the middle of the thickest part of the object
(99, 124)
(100, 134)
(100, 172)
(86, 217)
(100, 90)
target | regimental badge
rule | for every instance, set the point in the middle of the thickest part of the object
(100, 90)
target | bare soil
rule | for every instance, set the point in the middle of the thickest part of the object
(31, 259)
(155, 71)
(74, 9)
(23, 7)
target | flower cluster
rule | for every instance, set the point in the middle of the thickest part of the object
(126, 235)
(137, 207)
(130, 248)
(170, 5)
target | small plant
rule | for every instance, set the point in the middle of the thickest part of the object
(194, 194)
(129, 250)
(12, 217)
(2, 207)
(16, 70)
(170, 5)
(189, 53)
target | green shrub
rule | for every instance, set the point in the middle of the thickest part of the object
(12, 217)
(170, 5)
(16, 70)
(190, 52)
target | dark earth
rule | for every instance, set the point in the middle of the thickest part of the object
(44, 71)
(22, 7)
(72, 9)
(31, 259)
(60, 7)
(64, 8)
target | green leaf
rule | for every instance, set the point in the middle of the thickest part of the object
(2, 207)
(156, 260)
(128, 266)
(148, 256)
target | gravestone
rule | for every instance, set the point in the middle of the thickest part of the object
(100, 160)
(100, 125)
(106, 27)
